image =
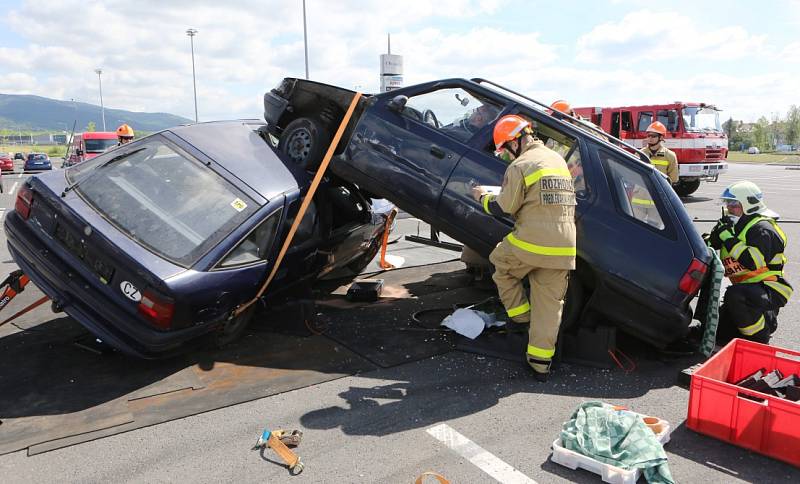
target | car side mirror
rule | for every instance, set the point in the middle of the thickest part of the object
(398, 103)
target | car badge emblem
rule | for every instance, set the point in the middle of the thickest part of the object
(130, 291)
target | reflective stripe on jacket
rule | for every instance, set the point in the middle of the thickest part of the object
(538, 193)
(746, 263)
(665, 161)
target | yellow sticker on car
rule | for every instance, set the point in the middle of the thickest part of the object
(238, 204)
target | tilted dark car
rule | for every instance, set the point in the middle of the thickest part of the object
(640, 259)
(155, 243)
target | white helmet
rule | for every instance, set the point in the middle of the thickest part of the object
(749, 196)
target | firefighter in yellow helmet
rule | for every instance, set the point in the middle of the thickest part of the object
(660, 156)
(752, 247)
(538, 193)
(124, 134)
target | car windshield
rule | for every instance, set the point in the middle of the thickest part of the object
(163, 199)
(99, 145)
(701, 119)
(39, 157)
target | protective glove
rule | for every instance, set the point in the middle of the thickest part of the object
(720, 233)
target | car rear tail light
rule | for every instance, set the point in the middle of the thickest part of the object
(693, 277)
(24, 201)
(157, 309)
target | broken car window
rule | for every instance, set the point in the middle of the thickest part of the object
(453, 111)
(255, 247)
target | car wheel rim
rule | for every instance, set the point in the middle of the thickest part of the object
(299, 145)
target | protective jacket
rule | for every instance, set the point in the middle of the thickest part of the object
(665, 161)
(538, 193)
(756, 254)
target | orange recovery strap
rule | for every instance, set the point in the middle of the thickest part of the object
(304, 206)
(386, 228)
(14, 284)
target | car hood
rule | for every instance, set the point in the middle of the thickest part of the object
(238, 148)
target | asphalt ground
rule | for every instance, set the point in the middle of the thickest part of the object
(378, 426)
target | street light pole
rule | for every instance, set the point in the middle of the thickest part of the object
(305, 36)
(191, 33)
(102, 108)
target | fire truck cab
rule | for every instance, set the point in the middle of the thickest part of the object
(86, 146)
(694, 133)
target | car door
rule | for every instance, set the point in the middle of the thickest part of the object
(405, 152)
(465, 220)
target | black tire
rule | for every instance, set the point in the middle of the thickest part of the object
(574, 302)
(234, 329)
(305, 141)
(685, 188)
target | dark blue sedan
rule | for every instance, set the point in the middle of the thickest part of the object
(155, 243)
(37, 162)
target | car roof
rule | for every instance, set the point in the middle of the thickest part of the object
(239, 149)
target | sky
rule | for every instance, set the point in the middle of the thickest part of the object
(742, 56)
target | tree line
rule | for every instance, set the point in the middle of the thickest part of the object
(765, 134)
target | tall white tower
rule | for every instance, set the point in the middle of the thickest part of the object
(391, 69)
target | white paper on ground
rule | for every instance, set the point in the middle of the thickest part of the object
(470, 323)
(396, 260)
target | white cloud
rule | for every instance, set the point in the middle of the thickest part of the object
(242, 49)
(653, 36)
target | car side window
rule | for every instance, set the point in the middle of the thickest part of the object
(645, 119)
(256, 245)
(566, 146)
(453, 111)
(633, 193)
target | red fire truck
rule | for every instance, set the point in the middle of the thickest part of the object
(86, 146)
(694, 133)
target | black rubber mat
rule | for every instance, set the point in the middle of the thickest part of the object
(63, 395)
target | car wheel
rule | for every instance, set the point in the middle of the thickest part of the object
(233, 329)
(685, 188)
(304, 141)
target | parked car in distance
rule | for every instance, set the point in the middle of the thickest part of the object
(19, 156)
(424, 146)
(6, 162)
(37, 162)
(153, 245)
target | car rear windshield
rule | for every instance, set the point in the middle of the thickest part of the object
(99, 145)
(162, 198)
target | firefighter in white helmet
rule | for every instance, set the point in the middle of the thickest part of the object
(752, 247)
(660, 156)
(538, 193)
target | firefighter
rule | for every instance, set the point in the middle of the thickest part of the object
(751, 246)
(538, 193)
(662, 157)
(564, 107)
(124, 134)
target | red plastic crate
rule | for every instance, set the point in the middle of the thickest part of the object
(720, 409)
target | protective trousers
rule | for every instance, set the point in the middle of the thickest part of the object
(543, 309)
(748, 311)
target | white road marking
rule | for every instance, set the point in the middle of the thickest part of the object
(478, 456)
(13, 187)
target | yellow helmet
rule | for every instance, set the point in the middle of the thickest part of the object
(125, 131)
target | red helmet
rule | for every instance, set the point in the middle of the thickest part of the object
(508, 128)
(657, 127)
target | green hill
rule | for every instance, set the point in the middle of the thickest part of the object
(37, 113)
